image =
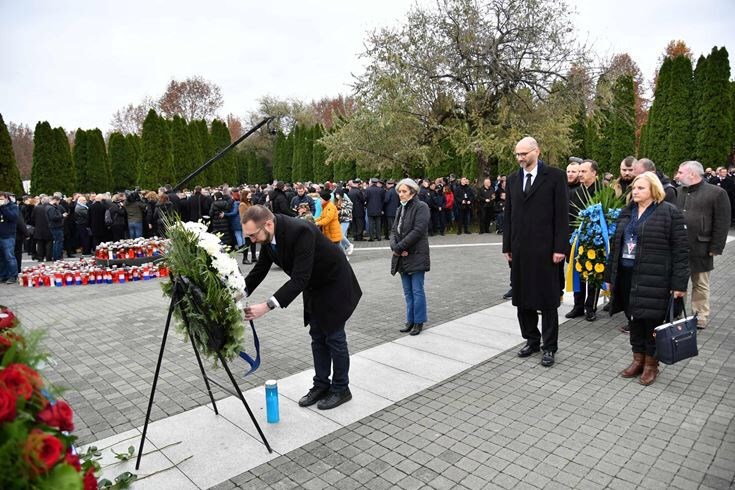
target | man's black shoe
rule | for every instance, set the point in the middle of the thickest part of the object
(527, 350)
(509, 294)
(575, 313)
(334, 399)
(590, 316)
(548, 359)
(314, 395)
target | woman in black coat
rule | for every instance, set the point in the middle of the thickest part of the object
(164, 211)
(647, 264)
(220, 222)
(409, 242)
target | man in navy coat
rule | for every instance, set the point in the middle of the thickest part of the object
(319, 269)
(535, 239)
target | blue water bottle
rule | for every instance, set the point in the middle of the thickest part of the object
(271, 401)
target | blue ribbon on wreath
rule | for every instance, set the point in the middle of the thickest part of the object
(605, 236)
(254, 363)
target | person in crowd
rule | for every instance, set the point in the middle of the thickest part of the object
(448, 206)
(245, 203)
(81, 221)
(344, 208)
(42, 232)
(358, 209)
(486, 197)
(706, 212)
(278, 201)
(573, 172)
(535, 241)
(220, 223)
(135, 211)
(647, 264)
(118, 217)
(97, 220)
(313, 192)
(233, 221)
(9, 216)
(151, 223)
(585, 300)
(199, 205)
(390, 206)
(174, 199)
(164, 211)
(328, 221)
(708, 174)
(55, 215)
(499, 209)
(70, 232)
(303, 211)
(330, 290)
(647, 165)
(374, 198)
(301, 197)
(27, 205)
(436, 206)
(464, 197)
(722, 179)
(21, 234)
(409, 243)
(626, 176)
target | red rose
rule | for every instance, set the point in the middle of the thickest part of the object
(31, 374)
(41, 452)
(90, 481)
(7, 404)
(73, 460)
(7, 318)
(57, 415)
(5, 344)
(17, 381)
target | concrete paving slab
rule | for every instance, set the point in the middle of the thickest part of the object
(385, 381)
(363, 403)
(432, 366)
(498, 340)
(458, 347)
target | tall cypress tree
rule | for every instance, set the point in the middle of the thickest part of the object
(184, 155)
(322, 171)
(658, 119)
(65, 179)
(715, 126)
(44, 160)
(297, 159)
(79, 157)
(279, 148)
(10, 180)
(697, 102)
(307, 162)
(133, 143)
(623, 121)
(203, 142)
(122, 162)
(680, 136)
(155, 158)
(226, 170)
(99, 176)
(579, 133)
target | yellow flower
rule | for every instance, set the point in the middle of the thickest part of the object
(591, 254)
(599, 268)
(585, 275)
(588, 265)
(580, 249)
(578, 267)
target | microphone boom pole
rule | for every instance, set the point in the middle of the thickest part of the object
(222, 153)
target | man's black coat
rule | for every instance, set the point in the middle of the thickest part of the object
(315, 266)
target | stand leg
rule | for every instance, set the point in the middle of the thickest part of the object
(242, 398)
(155, 380)
(204, 375)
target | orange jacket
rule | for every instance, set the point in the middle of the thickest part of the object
(329, 222)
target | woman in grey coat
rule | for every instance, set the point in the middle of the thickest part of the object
(409, 241)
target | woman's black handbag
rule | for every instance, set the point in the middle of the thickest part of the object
(677, 340)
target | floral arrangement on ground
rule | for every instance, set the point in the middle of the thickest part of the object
(209, 287)
(595, 226)
(36, 444)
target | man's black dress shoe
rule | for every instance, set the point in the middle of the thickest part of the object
(334, 399)
(590, 316)
(548, 359)
(575, 313)
(527, 350)
(509, 294)
(314, 395)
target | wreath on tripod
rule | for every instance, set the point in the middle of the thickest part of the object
(208, 288)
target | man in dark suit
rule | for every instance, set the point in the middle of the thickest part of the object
(319, 269)
(535, 239)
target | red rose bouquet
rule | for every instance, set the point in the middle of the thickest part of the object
(36, 447)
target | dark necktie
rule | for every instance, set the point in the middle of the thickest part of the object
(527, 187)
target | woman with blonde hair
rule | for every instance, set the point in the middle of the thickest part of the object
(648, 263)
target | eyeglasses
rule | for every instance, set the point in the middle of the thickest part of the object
(252, 235)
(523, 155)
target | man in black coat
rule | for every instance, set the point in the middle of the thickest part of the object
(358, 209)
(390, 205)
(279, 202)
(319, 269)
(97, 220)
(374, 197)
(535, 239)
(42, 232)
(464, 197)
(198, 204)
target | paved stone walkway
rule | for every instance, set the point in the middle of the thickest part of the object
(507, 422)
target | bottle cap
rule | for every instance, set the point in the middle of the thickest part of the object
(271, 383)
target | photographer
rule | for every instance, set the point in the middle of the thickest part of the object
(119, 217)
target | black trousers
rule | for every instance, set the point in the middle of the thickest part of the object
(331, 356)
(388, 221)
(486, 217)
(587, 296)
(375, 227)
(358, 226)
(528, 319)
(44, 249)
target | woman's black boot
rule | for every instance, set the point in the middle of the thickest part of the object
(416, 329)
(407, 328)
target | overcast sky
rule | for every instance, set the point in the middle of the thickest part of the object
(74, 63)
